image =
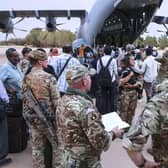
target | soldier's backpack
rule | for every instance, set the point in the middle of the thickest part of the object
(104, 76)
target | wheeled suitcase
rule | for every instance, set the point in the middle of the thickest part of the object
(17, 134)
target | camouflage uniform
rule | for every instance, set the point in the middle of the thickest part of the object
(154, 121)
(80, 128)
(43, 85)
(127, 104)
(127, 101)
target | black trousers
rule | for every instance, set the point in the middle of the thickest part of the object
(62, 94)
(106, 99)
(3, 138)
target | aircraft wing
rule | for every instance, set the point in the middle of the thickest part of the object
(160, 20)
(43, 13)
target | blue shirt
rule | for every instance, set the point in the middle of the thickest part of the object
(58, 63)
(12, 76)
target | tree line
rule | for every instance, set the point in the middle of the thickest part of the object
(39, 38)
(161, 41)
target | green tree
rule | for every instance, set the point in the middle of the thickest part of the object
(152, 41)
(64, 37)
(33, 37)
(139, 41)
(45, 39)
(163, 41)
(14, 41)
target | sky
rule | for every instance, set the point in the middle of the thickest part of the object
(73, 24)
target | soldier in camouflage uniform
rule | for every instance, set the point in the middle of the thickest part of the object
(153, 121)
(79, 124)
(128, 98)
(43, 86)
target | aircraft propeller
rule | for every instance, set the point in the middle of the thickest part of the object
(6, 37)
(20, 29)
(163, 30)
(59, 25)
(19, 21)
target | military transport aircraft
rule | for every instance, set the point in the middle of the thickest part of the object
(109, 21)
(163, 21)
(7, 25)
(118, 21)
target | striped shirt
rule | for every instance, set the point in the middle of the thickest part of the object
(58, 63)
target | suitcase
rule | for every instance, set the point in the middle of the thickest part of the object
(17, 134)
(3, 138)
(14, 107)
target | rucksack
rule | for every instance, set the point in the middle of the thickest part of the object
(104, 76)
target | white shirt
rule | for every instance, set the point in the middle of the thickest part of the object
(112, 67)
(3, 93)
(138, 63)
(150, 69)
(112, 53)
(51, 59)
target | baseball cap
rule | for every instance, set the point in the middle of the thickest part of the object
(38, 55)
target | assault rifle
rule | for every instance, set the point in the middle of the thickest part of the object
(40, 111)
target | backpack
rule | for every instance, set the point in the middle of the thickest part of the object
(104, 76)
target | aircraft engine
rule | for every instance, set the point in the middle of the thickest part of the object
(50, 24)
(6, 25)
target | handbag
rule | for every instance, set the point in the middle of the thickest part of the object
(2, 109)
(14, 107)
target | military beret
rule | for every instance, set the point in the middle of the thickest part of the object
(76, 72)
(38, 55)
(163, 59)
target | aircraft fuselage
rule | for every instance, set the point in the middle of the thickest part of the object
(117, 21)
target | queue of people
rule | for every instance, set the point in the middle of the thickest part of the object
(58, 110)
